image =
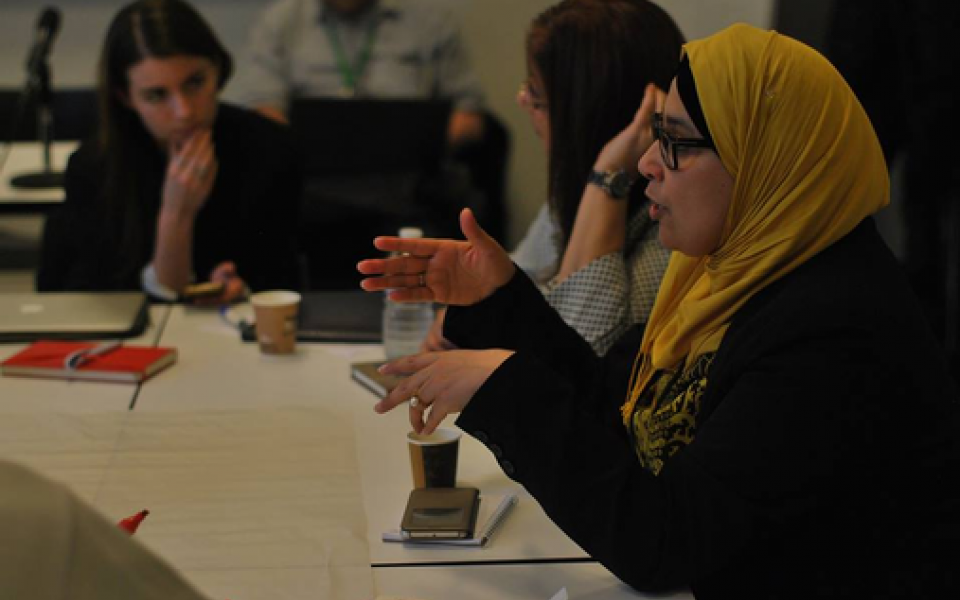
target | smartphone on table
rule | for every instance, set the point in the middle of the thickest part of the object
(449, 513)
(207, 289)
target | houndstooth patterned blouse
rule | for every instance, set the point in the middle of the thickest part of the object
(610, 295)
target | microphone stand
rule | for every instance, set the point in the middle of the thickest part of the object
(40, 82)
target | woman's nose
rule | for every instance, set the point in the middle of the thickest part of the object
(182, 106)
(649, 164)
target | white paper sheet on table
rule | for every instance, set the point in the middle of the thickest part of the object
(560, 595)
(73, 449)
(261, 492)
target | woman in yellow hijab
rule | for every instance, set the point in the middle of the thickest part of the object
(789, 428)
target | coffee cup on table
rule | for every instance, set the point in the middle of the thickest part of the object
(433, 458)
(276, 313)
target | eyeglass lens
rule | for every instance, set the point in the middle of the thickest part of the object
(667, 149)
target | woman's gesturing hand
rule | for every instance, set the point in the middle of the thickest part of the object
(439, 383)
(446, 271)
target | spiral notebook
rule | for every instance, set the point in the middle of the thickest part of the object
(481, 535)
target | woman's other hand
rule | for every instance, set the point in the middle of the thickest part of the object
(234, 288)
(443, 383)
(445, 271)
(624, 150)
(191, 173)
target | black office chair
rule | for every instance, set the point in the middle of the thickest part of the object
(486, 161)
(372, 167)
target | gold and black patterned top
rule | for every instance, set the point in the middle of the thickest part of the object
(665, 417)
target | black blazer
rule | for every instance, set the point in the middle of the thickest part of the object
(826, 455)
(249, 218)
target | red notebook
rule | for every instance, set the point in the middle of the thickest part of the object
(124, 363)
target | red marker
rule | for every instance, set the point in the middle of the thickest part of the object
(131, 523)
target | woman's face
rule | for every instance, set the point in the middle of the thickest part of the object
(532, 99)
(174, 97)
(690, 202)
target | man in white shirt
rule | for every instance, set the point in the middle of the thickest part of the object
(360, 48)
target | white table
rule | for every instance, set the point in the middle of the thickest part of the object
(510, 582)
(246, 502)
(68, 430)
(27, 157)
(231, 451)
(217, 371)
(243, 452)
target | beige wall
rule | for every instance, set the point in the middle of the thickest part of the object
(495, 31)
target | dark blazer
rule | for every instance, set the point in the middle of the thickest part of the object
(249, 218)
(826, 456)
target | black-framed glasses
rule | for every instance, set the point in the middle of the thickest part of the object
(529, 97)
(669, 144)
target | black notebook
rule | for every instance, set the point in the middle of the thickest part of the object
(351, 316)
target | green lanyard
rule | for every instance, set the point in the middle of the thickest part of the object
(350, 73)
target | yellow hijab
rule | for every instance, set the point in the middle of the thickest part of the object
(807, 167)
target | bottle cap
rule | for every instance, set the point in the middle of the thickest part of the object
(411, 232)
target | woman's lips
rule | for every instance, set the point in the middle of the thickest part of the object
(656, 210)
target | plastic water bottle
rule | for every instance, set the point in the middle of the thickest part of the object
(406, 324)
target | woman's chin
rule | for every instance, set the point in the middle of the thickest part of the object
(666, 240)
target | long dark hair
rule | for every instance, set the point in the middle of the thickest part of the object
(595, 58)
(142, 29)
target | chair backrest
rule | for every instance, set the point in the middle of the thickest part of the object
(365, 163)
(487, 160)
(74, 115)
(351, 136)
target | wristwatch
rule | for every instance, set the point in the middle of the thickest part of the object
(615, 183)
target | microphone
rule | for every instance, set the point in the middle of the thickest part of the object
(47, 27)
(38, 84)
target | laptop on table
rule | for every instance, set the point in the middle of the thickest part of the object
(346, 316)
(26, 317)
